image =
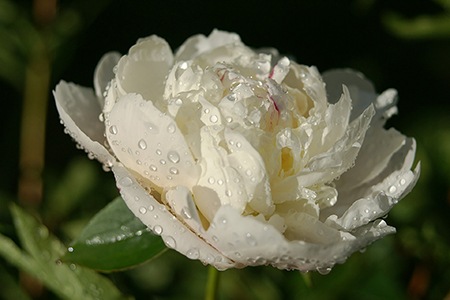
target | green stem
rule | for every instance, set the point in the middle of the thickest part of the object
(34, 111)
(212, 283)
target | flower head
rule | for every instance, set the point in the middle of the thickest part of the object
(239, 157)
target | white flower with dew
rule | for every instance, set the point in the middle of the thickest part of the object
(239, 157)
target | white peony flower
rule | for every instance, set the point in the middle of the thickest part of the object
(242, 158)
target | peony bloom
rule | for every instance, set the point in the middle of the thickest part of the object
(239, 157)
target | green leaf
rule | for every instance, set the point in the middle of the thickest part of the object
(40, 258)
(113, 240)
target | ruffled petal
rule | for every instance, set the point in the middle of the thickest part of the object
(219, 183)
(156, 217)
(145, 68)
(374, 199)
(150, 143)
(79, 110)
(104, 73)
(361, 90)
(199, 44)
(331, 164)
(249, 242)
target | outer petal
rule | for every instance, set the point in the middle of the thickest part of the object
(361, 90)
(104, 73)
(162, 222)
(79, 111)
(150, 143)
(199, 44)
(374, 199)
(250, 242)
(145, 68)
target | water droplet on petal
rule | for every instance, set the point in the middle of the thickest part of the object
(143, 210)
(162, 161)
(159, 152)
(173, 171)
(142, 144)
(193, 253)
(171, 128)
(250, 239)
(170, 242)
(392, 189)
(153, 168)
(113, 129)
(158, 229)
(211, 180)
(323, 270)
(173, 156)
(402, 181)
(185, 213)
(213, 119)
(126, 181)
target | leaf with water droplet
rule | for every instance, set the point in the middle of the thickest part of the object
(115, 239)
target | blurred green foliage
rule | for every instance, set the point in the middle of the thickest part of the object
(400, 44)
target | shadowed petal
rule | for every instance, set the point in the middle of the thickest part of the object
(79, 110)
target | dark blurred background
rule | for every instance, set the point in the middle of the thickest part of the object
(397, 44)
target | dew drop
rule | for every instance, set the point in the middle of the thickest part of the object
(392, 189)
(162, 161)
(213, 119)
(151, 207)
(101, 117)
(211, 180)
(238, 145)
(206, 110)
(157, 229)
(170, 242)
(402, 181)
(113, 129)
(323, 270)
(171, 128)
(193, 253)
(228, 193)
(220, 182)
(142, 144)
(173, 171)
(250, 239)
(185, 213)
(153, 168)
(173, 156)
(159, 152)
(229, 119)
(126, 181)
(143, 210)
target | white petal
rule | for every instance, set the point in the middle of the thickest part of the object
(156, 217)
(150, 143)
(251, 168)
(361, 90)
(104, 73)
(331, 164)
(378, 148)
(199, 44)
(374, 199)
(145, 68)
(79, 109)
(250, 242)
(180, 200)
(220, 183)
